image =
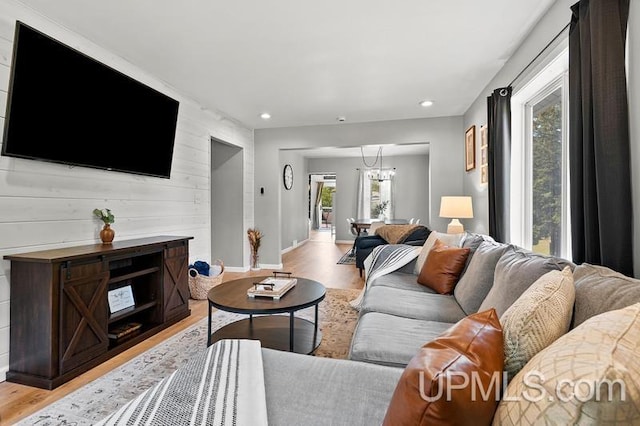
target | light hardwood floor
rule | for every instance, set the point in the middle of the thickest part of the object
(316, 259)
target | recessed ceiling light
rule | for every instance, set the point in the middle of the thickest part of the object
(265, 116)
(426, 103)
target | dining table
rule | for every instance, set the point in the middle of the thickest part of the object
(363, 224)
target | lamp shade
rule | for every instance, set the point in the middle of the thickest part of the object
(456, 207)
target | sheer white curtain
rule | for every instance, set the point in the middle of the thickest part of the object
(388, 189)
(363, 198)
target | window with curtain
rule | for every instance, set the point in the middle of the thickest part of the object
(372, 192)
(380, 192)
(540, 217)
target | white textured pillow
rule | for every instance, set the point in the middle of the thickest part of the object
(451, 240)
(568, 383)
(537, 318)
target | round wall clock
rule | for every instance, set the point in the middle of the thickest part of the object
(287, 176)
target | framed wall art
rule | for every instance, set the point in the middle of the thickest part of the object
(470, 148)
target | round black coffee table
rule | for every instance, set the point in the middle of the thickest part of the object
(287, 333)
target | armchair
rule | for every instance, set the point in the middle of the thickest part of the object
(364, 244)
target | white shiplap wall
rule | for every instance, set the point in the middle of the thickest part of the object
(45, 205)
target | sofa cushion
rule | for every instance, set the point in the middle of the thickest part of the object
(400, 280)
(472, 241)
(600, 289)
(297, 390)
(391, 340)
(429, 390)
(540, 315)
(515, 271)
(443, 267)
(477, 279)
(368, 241)
(599, 355)
(452, 240)
(412, 304)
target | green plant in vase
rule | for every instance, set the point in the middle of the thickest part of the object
(380, 208)
(106, 234)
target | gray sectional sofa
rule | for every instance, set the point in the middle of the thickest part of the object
(398, 316)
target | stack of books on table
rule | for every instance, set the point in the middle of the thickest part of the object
(272, 287)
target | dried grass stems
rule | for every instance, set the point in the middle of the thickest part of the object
(255, 238)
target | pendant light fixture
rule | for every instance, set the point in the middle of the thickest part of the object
(377, 173)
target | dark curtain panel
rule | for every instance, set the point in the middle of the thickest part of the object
(599, 154)
(499, 164)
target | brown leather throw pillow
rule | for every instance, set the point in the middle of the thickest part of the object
(443, 267)
(432, 389)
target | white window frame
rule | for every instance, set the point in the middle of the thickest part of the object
(552, 76)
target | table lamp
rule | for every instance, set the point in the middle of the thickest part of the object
(456, 208)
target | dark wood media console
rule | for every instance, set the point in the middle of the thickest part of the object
(60, 314)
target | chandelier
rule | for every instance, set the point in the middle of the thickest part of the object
(377, 173)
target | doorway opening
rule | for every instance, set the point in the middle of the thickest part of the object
(227, 230)
(322, 207)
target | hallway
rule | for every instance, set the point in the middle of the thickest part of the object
(324, 234)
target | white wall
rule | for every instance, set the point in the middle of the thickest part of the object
(411, 196)
(294, 224)
(46, 206)
(547, 28)
(445, 136)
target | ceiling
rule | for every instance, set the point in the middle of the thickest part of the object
(369, 152)
(307, 63)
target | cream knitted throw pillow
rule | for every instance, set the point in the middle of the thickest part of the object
(537, 318)
(589, 376)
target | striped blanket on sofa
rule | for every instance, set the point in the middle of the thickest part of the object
(223, 386)
(383, 260)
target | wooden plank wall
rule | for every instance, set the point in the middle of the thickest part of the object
(45, 205)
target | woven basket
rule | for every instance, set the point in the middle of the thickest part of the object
(199, 285)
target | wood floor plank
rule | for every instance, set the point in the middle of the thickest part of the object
(315, 259)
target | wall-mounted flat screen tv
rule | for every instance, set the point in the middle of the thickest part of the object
(66, 107)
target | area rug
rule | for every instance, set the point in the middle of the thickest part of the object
(347, 259)
(106, 394)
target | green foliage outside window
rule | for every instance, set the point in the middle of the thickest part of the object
(547, 179)
(327, 197)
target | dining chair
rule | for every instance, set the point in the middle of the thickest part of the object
(411, 221)
(354, 232)
(417, 221)
(352, 228)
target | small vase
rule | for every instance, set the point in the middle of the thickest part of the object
(255, 265)
(107, 234)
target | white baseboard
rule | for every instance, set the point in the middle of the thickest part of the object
(247, 269)
(288, 249)
(3, 374)
(236, 268)
(271, 266)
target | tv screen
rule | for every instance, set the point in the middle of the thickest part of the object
(66, 107)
